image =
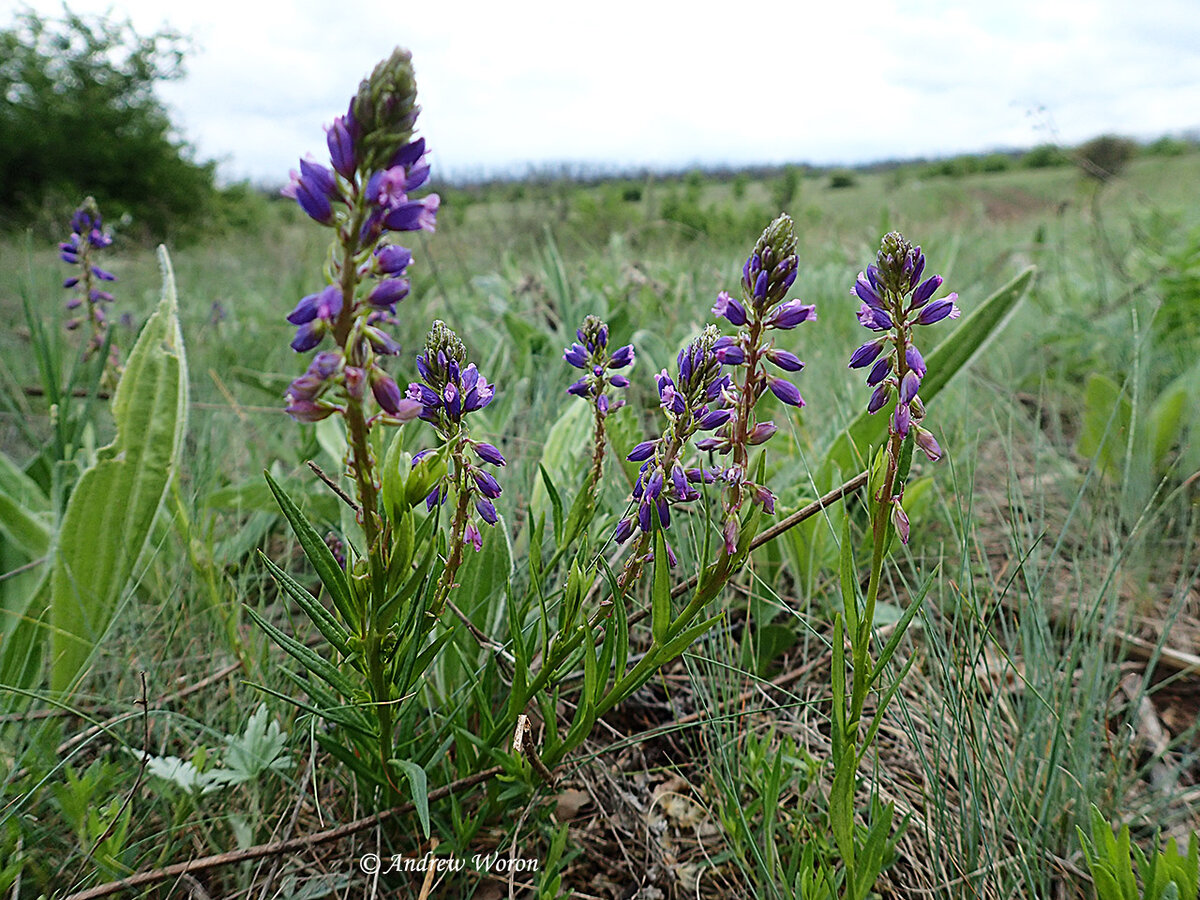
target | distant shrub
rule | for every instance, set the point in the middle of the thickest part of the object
(995, 162)
(1043, 157)
(740, 182)
(787, 189)
(631, 193)
(80, 116)
(1103, 157)
(842, 178)
(1167, 146)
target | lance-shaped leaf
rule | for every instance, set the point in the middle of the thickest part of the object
(109, 515)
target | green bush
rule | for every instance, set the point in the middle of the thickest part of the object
(81, 117)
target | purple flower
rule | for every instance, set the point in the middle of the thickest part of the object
(922, 294)
(392, 259)
(788, 315)
(938, 310)
(642, 451)
(488, 454)
(414, 215)
(928, 443)
(789, 362)
(341, 147)
(729, 308)
(486, 511)
(875, 319)
(867, 353)
(785, 391)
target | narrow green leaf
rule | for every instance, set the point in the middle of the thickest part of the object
(620, 637)
(914, 605)
(849, 579)
(660, 592)
(841, 807)
(310, 659)
(685, 639)
(108, 518)
(837, 679)
(331, 629)
(325, 704)
(590, 677)
(419, 784)
(318, 553)
(555, 503)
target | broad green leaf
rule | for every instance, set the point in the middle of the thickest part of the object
(1107, 413)
(112, 508)
(567, 448)
(957, 350)
(485, 573)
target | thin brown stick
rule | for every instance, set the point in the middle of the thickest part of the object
(805, 512)
(334, 486)
(276, 848)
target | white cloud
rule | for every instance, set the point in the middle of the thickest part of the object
(630, 83)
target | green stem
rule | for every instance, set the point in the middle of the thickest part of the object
(458, 528)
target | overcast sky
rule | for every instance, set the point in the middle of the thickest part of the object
(506, 85)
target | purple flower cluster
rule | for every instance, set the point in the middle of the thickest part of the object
(365, 194)
(767, 276)
(894, 300)
(449, 390)
(87, 236)
(698, 400)
(591, 354)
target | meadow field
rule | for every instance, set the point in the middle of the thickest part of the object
(1052, 665)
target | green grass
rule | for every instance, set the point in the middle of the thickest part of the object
(1021, 709)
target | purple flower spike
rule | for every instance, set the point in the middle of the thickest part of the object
(730, 308)
(785, 391)
(938, 310)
